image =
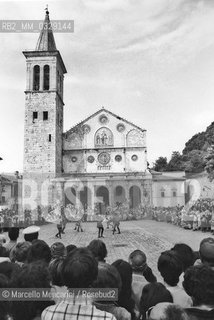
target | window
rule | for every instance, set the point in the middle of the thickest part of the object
(3, 199)
(36, 77)
(174, 193)
(49, 138)
(35, 115)
(46, 84)
(162, 194)
(45, 115)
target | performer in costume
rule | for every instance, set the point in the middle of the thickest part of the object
(59, 227)
(100, 226)
(64, 220)
(116, 223)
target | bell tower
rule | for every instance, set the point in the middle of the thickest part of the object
(44, 104)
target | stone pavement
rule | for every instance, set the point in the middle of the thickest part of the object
(150, 236)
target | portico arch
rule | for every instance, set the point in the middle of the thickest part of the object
(134, 196)
(119, 195)
(102, 194)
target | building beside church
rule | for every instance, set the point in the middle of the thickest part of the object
(100, 162)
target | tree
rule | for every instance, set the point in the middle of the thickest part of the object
(160, 164)
(195, 161)
(209, 161)
(176, 162)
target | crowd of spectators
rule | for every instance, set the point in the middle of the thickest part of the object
(199, 216)
(183, 289)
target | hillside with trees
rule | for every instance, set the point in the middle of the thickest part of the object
(197, 156)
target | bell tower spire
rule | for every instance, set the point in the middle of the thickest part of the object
(46, 40)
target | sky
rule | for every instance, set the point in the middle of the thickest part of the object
(149, 61)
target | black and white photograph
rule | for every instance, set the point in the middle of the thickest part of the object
(107, 160)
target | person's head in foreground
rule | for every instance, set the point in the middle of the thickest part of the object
(137, 260)
(39, 250)
(199, 285)
(55, 269)
(58, 250)
(31, 233)
(70, 248)
(206, 251)
(20, 252)
(186, 254)
(98, 249)
(167, 311)
(152, 294)
(79, 269)
(13, 233)
(33, 275)
(170, 267)
(108, 277)
(125, 297)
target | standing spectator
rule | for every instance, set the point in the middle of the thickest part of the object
(13, 234)
(98, 249)
(31, 233)
(34, 275)
(186, 255)
(167, 311)
(206, 251)
(20, 253)
(125, 297)
(79, 270)
(142, 275)
(58, 250)
(39, 250)
(108, 277)
(152, 294)
(170, 268)
(199, 284)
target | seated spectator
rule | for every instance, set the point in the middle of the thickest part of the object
(13, 234)
(108, 277)
(170, 268)
(98, 249)
(167, 311)
(33, 275)
(125, 297)
(70, 248)
(20, 253)
(206, 251)
(142, 275)
(79, 270)
(58, 250)
(39, 250)
(152, 294)
(31, 233)
(199, 284)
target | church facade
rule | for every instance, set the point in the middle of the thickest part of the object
(98, 163)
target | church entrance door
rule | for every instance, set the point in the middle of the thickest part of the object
(102, 195)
